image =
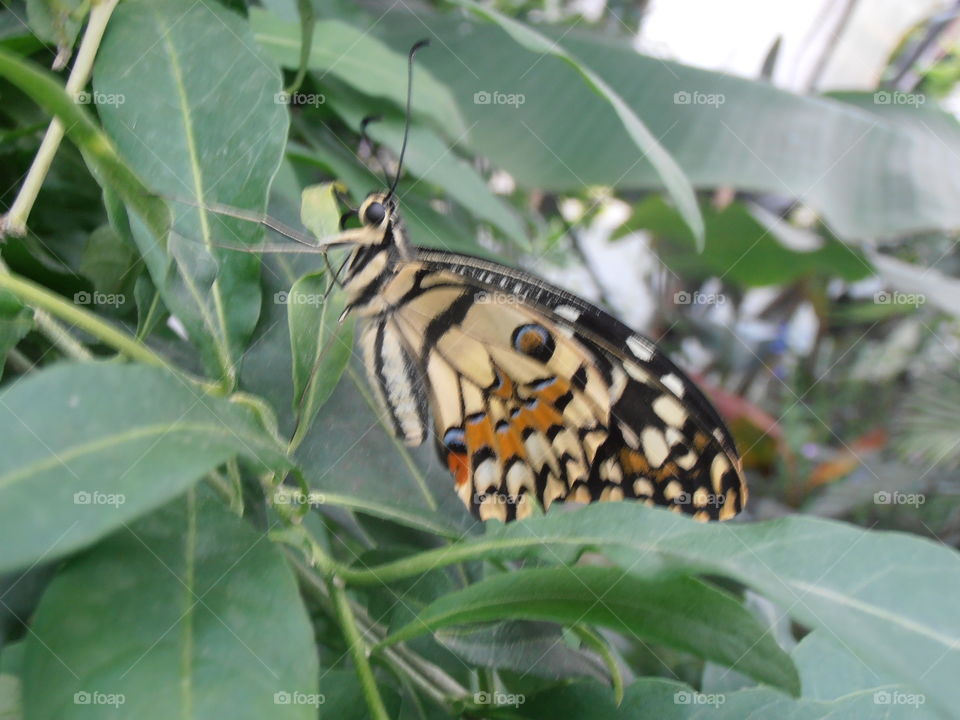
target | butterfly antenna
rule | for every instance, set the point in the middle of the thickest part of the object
(406, 124)
(250, 216)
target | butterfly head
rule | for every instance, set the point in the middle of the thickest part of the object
(377, 210)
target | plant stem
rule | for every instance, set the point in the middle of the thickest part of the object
(432, 680)
(595, 642)
(15, 221)
(38, 296)
(19, 361)
(413, 565)
(54, 331)
(358, 649)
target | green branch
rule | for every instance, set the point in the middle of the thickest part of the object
(16, 220)
(358, 650)
(96, 148)
(40, 297)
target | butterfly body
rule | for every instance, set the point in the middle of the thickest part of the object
(532, 393)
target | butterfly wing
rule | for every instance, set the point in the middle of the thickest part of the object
(536, 393)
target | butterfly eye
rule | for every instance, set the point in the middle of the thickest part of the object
(375, 213)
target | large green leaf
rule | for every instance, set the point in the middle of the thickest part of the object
(868, 176)
(427, 156)
(670, 700)
(358, 58)
(740, 248)
(847, 580)
(321, 345)
(87, 448)
(187, 613)
(829, 671)
(669, 174)
(535, 648)
(680, 612)
(204, 126)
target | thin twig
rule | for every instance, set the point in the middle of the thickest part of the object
(15, 221)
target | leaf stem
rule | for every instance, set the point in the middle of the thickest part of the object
(359, 649)
(413, 565)
(38, 296)
(595, 642)
(15, 221)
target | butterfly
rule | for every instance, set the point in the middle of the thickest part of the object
(533, 395)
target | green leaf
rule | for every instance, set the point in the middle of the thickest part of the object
(319, 211)
(202, 146)
(56, 21)
(11, 707)
(532, 648)
(674, 180)
(829, 671)
(87, 447)
(430, 158)
(868, 177)
(671, 700)
(358, 58)
(916, 285)
(99, 153)
(150, 309)
(15, 322)
(679, 612)
(108, 261)
(742, 247)
(845, 579)
(320, 344)
(188, 612)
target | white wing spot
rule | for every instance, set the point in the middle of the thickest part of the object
(641, 348)
(670, 411)
(674, 383)
(654, 445)
(567, 312)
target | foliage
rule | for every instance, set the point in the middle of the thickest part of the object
(201, 511)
